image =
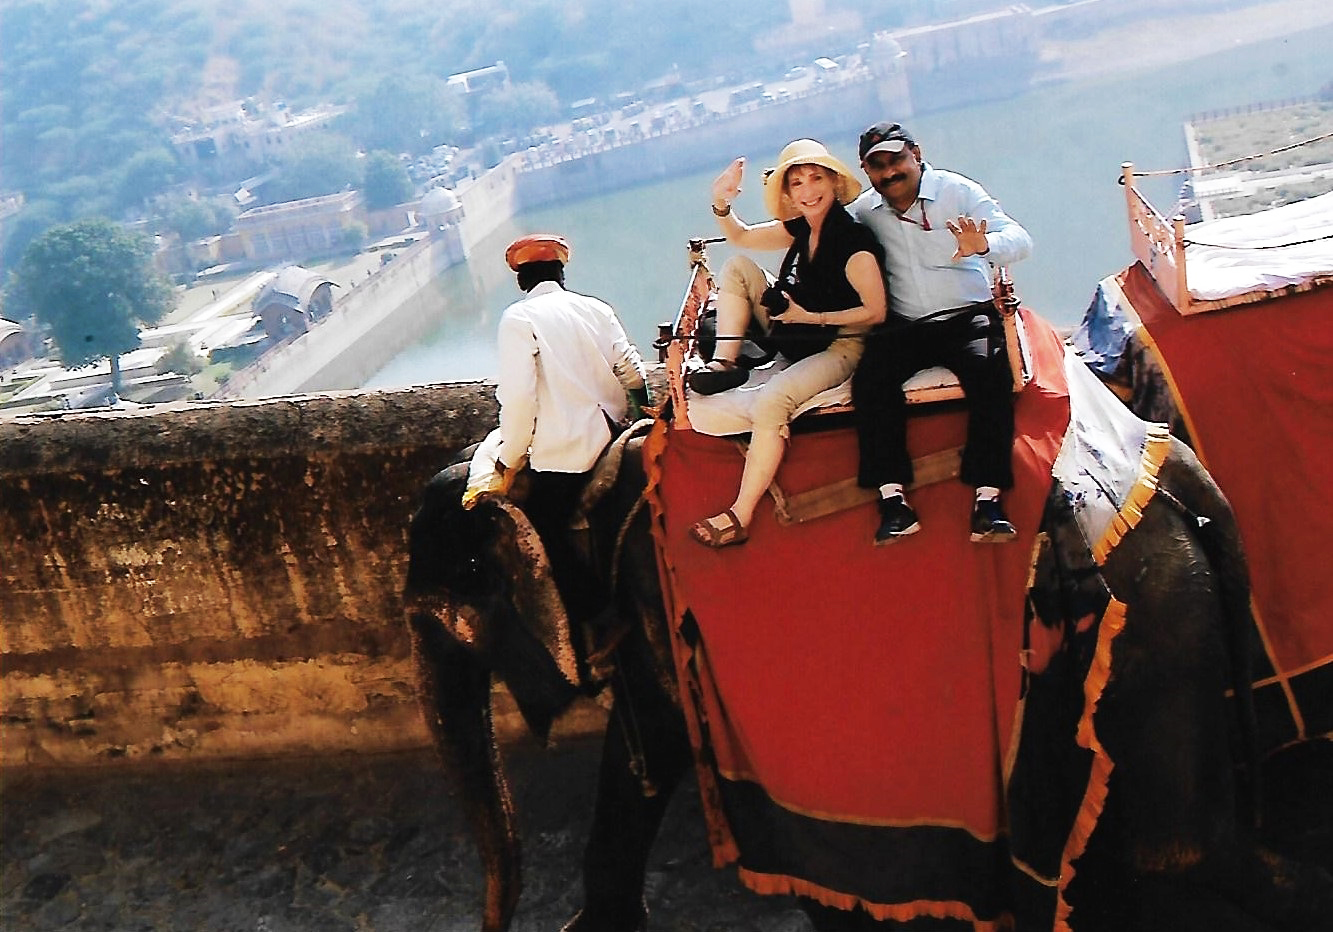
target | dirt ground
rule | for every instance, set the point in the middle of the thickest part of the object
(364, 844)
(378, 844)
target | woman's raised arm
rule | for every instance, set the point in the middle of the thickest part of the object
(769, 235)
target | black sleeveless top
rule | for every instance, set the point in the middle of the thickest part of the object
(820, 284)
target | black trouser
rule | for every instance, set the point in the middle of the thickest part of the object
(970, 343)
(551, 500)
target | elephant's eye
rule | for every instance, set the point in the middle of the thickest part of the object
(469, 575)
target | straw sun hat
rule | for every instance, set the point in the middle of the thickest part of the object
(806, 152)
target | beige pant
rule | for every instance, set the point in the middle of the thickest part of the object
(802, 380)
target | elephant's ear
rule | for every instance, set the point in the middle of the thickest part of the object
(534, 652)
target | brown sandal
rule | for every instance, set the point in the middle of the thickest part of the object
(731, 533)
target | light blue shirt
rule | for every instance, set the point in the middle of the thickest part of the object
(923, 275)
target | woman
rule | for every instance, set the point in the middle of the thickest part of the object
(832, 285)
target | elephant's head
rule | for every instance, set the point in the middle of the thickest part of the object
(469, 597)
(482, 576)
(482, 605)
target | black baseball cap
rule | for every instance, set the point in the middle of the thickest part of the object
(885, 137)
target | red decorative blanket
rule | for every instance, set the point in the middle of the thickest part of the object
(855, 708)
(1255, 385)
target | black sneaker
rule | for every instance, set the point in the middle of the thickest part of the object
(896, 519)
(989, 524)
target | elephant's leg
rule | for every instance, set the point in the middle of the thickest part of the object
(625, 820)
(455, 694)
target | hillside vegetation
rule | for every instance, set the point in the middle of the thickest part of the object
(92, 90)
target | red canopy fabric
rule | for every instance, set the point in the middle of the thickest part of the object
(1255, 385)
(842, 685)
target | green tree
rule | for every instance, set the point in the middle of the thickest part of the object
(194, 218)
(144, 174)
(36, 217)
(354, 236)
(517, 109)
(323, 164)
(406, 114)
(386, 182)
(91, 283)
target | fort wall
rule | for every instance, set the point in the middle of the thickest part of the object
(824, 113)
(369, 325)
(211, 580)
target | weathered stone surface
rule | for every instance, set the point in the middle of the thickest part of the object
(215, 579)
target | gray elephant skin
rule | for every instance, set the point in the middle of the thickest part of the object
(1174, 848)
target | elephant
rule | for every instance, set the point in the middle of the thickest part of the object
(1174, 848)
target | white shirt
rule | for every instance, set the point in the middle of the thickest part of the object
(564, 360)
(923, 275)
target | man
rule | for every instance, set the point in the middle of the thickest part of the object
(565, 368)
(941, 232)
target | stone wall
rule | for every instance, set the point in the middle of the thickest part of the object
(215, 579)
(370, 324)
(833, 113)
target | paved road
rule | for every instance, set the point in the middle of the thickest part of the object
(377, 844)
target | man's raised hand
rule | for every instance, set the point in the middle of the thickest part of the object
(971, 237)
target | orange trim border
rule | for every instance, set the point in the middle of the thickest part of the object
(780, 884)
(1155, 448)
(1094, 796)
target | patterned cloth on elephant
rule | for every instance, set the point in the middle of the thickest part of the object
(1249, 388)
(812, 691)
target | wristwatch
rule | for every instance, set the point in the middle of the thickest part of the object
(723, 212)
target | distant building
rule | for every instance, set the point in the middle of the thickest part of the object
(307, 227)
(237, 135)
(470, 85)
(887, 62)
(439, 208)
(480, 79)
(294, 299)
(1256, 157)
(943, 60)
(16, 344)
(440, 212)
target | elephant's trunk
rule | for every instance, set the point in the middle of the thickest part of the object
(456, 700)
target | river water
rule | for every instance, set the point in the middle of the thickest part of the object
(1051, 157)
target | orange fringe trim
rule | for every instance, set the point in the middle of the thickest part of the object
(1094, 797)
(1155, 448)
(781, 884)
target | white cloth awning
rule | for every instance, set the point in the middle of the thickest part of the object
(1267, 251)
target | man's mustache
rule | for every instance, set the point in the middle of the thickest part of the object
(891, 179)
